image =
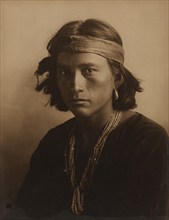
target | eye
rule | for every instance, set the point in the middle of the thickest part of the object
(88, 71)
(63, 72)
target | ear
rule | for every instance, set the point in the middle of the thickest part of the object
(118, 80)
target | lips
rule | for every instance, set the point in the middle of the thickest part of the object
(78, 101)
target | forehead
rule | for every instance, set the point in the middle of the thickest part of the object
(76, 59)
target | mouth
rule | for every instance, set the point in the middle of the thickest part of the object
(78, 101)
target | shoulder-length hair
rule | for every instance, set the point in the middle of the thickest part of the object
(91, 27)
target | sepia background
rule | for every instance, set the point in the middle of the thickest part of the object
(26, 27)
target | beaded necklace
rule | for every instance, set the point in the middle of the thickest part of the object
(77, 206)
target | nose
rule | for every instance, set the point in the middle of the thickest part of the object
(77, 82)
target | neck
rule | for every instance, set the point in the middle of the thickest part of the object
(90, 127)
(93, 122)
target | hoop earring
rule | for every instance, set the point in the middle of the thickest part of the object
(116, 94)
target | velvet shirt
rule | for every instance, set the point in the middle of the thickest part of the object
(130, 179)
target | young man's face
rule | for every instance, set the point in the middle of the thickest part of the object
(86, 83)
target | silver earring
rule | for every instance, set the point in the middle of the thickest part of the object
(116, 94)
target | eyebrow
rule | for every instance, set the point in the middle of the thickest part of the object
(87, 64)
(80, 65)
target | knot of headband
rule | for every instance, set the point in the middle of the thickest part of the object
(87, 44)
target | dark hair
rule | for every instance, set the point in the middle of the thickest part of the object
(95, 28)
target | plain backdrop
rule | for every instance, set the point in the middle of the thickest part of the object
(26, 27)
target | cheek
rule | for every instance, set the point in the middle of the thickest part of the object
(62, 88)
(61, 84)
(102, 86)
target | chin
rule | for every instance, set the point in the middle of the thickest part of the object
(81, 113)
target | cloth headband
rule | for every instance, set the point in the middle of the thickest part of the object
(108, 49)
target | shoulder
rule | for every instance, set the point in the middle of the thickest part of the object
(143, 126)
(53, 143)
(61, 129)
(143, 135)
(59, 132)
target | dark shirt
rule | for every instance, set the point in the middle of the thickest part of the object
(130, 179)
